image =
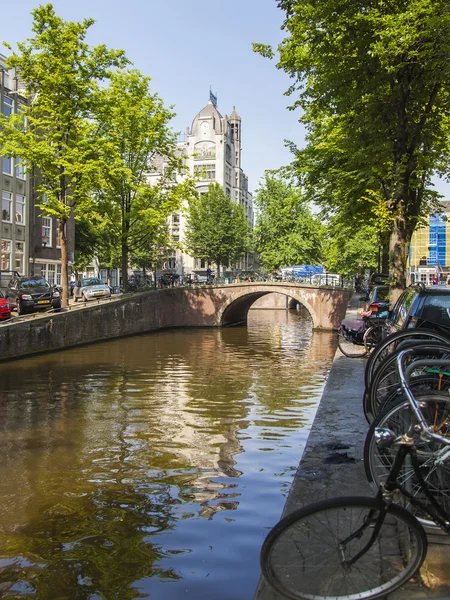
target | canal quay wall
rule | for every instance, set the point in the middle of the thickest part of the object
(332, 465)
(151, 311)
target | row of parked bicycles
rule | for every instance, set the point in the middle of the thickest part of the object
(366, 547)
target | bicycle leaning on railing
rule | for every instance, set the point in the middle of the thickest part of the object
(363, 547)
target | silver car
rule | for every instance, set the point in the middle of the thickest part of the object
(90, 288)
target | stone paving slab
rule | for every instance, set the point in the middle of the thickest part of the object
(332, 465)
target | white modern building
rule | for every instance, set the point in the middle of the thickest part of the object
(212, 147)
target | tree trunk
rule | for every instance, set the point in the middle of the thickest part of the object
(399, 240)
(124, 266)
(64, 263)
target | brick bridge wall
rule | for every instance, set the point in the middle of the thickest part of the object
(149, 311)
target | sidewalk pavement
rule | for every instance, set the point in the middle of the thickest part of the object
(332, 465)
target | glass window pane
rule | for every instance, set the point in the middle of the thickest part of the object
(7, 165)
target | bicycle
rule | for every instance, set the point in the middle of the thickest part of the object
(359, 547)
(385, 389)
(356, 338)
(389, 344)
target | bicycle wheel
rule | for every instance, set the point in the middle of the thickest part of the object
(385, 385)
(389, 344)
(373, 336)
(348, 348)
(306, 555)
(432, 456)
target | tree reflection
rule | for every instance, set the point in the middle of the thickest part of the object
(107, 449)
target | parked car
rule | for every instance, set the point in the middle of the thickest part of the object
(27, 294)
(420, 306)
(377, 279)
(377, 300)
(5, 309)
(90, 288)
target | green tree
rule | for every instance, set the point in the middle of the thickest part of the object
(88, 238)
(56, 133)
(135, 128)
(373, 79)
(217, 230)
(351, 249)
(287, 232)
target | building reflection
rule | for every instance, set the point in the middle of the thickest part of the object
(105, 448)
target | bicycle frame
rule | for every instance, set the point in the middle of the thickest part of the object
(386, 494)
(387, 491)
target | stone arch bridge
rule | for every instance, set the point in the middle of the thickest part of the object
(205, 306)
(226, 305)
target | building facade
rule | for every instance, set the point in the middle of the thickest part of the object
(212, 150)
(29, 241)
(429, 252)
(15, 189)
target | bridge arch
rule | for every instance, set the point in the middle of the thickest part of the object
(235, 308)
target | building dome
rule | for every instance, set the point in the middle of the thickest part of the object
(209, 114)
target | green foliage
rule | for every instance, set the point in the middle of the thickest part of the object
(56, 133)
(352, 249)
(134, 126)
(216, 228)
(287, 232)
(373, 80)
(87, 238)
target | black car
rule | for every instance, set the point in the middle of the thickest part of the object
(377, 299)
(419, 306)
(27, 294)
(378, 279)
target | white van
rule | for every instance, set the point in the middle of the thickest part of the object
(326, 279)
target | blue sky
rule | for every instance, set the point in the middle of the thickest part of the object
(188, 45)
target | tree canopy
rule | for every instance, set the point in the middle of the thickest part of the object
(134, 126)
(373, 80)
(287, 232)
(55, 132)
(216, 228)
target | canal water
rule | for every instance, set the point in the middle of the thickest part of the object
(153, 466)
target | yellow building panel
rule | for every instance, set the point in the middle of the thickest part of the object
(419, 245)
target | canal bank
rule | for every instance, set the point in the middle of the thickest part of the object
(332, 465)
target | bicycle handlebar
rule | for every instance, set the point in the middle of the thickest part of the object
(427, 431)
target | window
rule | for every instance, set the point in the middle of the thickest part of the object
(228, 153)
(205, 171)
(176, 238)
(19, 256)
(176, 218)
(6, 206)
(7, 164)
(51, 272)
(7, 106)
(47, 231)
(20, 209)
(20, 169)
(5, 255)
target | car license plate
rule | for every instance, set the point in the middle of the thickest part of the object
(43, 301)
(99, 293)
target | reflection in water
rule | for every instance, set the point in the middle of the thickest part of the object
(153, 466)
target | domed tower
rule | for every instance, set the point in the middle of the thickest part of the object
(235, 125)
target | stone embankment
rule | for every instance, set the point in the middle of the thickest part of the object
(332, 465)
(208, 306)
